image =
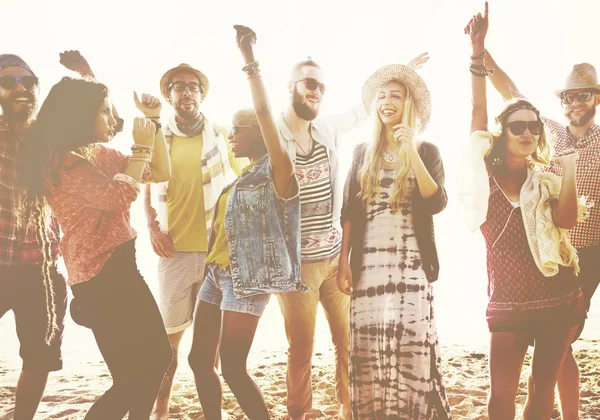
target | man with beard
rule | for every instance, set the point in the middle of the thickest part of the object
(180, 212)
(314, 144)
(579, 98)
(22, 288)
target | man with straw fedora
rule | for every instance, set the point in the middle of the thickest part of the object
(579, 98)
(314, 143)
(179, 212)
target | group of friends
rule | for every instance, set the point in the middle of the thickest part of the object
(262, 208)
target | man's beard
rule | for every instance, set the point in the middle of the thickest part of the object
(302, 110)
(584, 119)
(25, 116)
(187, 115)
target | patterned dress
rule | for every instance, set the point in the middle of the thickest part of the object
(521, 299)
(395, 370)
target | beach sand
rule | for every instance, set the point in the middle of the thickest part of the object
(71, 391)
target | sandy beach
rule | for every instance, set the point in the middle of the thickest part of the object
(460, 310)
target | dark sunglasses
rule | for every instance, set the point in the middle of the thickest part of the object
(235, 128)
(312, 84)
(11, 82)
(568, 98)
(180, 87)
(519, 127)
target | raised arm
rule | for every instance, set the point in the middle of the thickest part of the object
(160, 164)
(477, 30)
(500, 80)
(281, 162)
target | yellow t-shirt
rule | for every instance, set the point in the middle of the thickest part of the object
(219, 253)
(185, 194)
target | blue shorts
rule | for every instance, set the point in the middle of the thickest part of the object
(218, 290)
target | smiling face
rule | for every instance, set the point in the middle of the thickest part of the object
(186, 95)
(245, 137)
(579, 113)
(305, 101)
(526, 143)
(105, 123)
(19, 104)
(390, 103)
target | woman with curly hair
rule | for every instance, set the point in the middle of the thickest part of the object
(523, 213)
(90, 188)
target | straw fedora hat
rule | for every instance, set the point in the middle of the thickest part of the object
(583, 76)
(183, 67)
(406, 75)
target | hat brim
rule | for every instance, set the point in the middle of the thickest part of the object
(594, 87)
(166, 79)
(407, 76)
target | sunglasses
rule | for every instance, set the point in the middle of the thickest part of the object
(235, 128)
(11, 82)
(568, 98)
(180, 87)
(312, 84)
(519, 127)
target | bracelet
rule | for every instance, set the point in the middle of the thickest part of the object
(478, 73)
(140, 159)
(158, 126)
(478, 57)
(135, 147)
(251, 68)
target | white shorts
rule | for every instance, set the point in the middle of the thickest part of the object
(179, 281)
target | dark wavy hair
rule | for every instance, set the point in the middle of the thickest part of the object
(64, 123)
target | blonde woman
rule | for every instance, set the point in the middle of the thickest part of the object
(394, 187)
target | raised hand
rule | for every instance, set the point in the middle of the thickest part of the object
(73, 60)
(418, 62)
(143, 131)
(478, 26)
(245, 37)
(567, 159)
(404, 134)
(149, 105)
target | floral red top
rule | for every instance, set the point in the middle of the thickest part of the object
(91, 201)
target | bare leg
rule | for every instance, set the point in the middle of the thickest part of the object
(507, 352)
(568, 388)
(202, 358)
(550, 351)
(236, 339)
(161, 409)
(30, 389)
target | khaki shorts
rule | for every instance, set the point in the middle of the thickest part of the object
(179, 281)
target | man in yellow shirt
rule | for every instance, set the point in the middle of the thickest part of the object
(180, 212)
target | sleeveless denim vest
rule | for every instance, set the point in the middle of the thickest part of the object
(263, 235)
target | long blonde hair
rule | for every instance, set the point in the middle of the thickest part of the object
(369, 173)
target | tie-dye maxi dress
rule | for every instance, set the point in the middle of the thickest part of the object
(395, 370)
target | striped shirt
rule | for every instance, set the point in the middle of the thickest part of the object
(320, 239)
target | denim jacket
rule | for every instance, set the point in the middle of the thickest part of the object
(263, 234)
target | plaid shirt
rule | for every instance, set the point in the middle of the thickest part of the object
(586, 233)
(18, 246)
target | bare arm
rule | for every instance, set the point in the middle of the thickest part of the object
(501, 81)
(150, 106)
(344, 275)
(565, 210)
(281, 162)
(477, 30)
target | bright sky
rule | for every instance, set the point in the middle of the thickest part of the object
(130, 44)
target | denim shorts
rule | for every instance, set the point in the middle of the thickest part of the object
(218, 290)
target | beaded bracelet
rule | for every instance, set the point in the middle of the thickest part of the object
(251, 68)
(478, 57)
(140, 159)
(141, 147)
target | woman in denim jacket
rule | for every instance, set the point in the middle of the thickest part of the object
(254, 250)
